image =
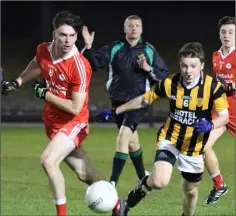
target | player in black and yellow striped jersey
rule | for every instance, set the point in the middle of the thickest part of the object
(192, 96)
(187, 106)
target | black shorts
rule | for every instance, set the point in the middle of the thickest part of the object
(129, 119)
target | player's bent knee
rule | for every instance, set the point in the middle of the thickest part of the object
(81, 175)
(133, 146)
(192, 177)
(124, 134)
(47, 164)
(159, 183)
(191, 192)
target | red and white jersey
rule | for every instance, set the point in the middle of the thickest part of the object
(224, 66)
(62, 76)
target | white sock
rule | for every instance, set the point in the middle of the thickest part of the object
(60, 201)
(214, 175)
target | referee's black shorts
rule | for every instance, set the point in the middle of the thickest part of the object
(129, 119)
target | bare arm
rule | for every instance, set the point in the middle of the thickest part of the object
(220, 106)
(222, 119)
(72, 106)
(139, 102)
(136, 103)
(31, 72)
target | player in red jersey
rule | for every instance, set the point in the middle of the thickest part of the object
(67, 76)
(224, 68)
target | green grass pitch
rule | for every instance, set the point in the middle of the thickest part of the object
(24, 188)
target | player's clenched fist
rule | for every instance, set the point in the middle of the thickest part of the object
(39, 90)
(9, 86)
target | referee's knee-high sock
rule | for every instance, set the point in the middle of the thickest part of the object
(137, 159)
(118, 165)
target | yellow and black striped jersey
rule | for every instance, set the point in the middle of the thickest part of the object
(187, 106)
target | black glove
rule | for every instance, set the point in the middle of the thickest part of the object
(39, 90)
(227, 86)
(9, 86)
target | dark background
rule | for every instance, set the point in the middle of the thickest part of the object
(167, 26)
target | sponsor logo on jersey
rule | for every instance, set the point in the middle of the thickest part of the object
(62, 77)
(228, 66)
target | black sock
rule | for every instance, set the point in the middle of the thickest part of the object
(137, 159)
(138, 193)
(118, 165)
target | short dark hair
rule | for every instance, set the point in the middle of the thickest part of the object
(227, 20)
(133, 17)
(192, 50)
(68, 18)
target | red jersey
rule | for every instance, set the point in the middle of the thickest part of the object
(224, 66)
(62, 76)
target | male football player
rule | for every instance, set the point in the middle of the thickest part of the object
(192, 96)
(223, 62)
(67, 76)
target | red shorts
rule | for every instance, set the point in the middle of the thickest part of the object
(77, 132)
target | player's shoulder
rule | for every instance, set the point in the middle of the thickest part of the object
(213, 81)
(43, 46)
(42, 50)
(82, 58)
(149, 45)
(232, 56)
(210, 78)
(216, 53)
(170, 78)
(80, 62)
(116, 43)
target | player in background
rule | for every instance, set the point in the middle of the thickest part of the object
(192, 96)
(223, 62)
(67, 76)
(134, 65)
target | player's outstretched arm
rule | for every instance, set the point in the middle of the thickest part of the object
(139, 102)
(133, 104)
(31, 72)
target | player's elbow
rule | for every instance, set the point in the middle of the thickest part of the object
(76, 106)
(76, 110)
(226, 119)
